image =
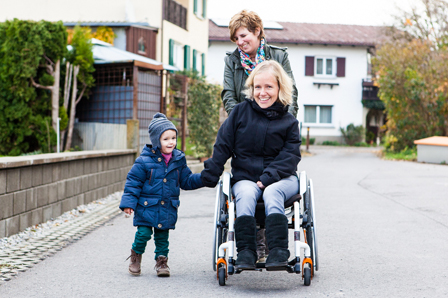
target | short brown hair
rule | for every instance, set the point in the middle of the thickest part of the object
(283, 80)
(248, 19)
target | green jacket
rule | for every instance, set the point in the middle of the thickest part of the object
(235, 77)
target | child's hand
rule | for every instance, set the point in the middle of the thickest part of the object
(128, 211)
(260, 185)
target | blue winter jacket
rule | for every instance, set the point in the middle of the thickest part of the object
(152, 188)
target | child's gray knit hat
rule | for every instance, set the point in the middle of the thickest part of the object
(159, 124)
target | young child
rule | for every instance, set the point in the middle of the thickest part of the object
(152, 191)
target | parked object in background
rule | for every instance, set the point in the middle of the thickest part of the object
(432, 150)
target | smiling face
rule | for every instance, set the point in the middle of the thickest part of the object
(266, 89)
(247, 41)
(168, 141)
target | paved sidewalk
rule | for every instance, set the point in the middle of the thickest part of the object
(382, 229)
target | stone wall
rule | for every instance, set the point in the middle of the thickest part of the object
(34, 189)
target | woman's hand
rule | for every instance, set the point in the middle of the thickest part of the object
(128, 211)
(260, 185)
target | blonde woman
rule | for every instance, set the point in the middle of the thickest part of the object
(263, 140)
(246, 31)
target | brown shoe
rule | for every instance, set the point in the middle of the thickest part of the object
(136, 260)
(162, 267)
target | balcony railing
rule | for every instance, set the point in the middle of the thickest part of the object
(369, 90)
(175, 13)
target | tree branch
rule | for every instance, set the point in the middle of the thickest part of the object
(40, 86)
(82, 93)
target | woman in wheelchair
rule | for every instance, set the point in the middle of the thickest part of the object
(264, 142)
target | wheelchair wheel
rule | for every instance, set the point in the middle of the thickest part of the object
(222, 276)
(220, 224)
(307, 276)
(310, 227)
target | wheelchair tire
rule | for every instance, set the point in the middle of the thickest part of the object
(220, 228)
(222, 276)
(310, 226)
(307, 276)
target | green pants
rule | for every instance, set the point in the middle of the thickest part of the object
(143, 235)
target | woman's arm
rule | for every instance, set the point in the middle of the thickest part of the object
(228, 94)
(285, 164)
(293, 108)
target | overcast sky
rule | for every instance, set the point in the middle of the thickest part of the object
(356, 12)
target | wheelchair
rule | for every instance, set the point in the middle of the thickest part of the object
(299, 210)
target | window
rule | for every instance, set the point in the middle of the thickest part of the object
(325, 67)
(199, 8)
(197, 61)
(141, 46)
(318, 114)
(176, 54)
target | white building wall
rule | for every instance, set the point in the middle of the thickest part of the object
(345, 99)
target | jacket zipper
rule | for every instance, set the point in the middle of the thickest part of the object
(150, 175)
(178, 177)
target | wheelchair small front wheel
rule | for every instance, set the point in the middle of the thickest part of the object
(222, 276)
(307, 276)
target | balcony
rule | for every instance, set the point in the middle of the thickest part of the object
(175, 13)
(370, 97)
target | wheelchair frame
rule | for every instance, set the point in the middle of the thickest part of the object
(301, 218)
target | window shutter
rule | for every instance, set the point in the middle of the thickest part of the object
(203, 64)
(340, 68)
(195, 6)
(171, 52)
(187, 57)
(309, 65)
(204, 8)
(195, 66)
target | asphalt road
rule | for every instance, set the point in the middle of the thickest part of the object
(382, 232)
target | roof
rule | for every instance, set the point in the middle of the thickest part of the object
(111, 24)
(307, 33)
(105, 53)
(434, 141)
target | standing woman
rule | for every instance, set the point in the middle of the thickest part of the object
(246, 30)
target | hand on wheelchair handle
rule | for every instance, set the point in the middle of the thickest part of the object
(260, 185)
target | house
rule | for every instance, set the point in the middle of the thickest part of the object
(169, 31)
(331, 67)
(152, 38)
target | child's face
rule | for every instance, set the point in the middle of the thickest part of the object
(265, 89)
(168, 141)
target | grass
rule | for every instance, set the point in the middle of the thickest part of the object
(189, 150)
(409, 154)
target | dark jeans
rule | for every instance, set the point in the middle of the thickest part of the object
(143, 235)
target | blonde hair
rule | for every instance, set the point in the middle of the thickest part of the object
(283, 80)
(247, 19)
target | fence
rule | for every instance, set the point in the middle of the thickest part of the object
(99, 136)
(34, 189)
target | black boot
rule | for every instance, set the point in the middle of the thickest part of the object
(277, 239)
(246, 245)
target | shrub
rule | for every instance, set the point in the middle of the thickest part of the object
(330, 143)
(361, 144)
(352, 134)
(203, 114)
(312, 140)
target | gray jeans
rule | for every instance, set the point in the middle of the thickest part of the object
(247, 193)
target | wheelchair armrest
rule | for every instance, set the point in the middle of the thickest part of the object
(295, 198)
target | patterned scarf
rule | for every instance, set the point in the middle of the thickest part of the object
(248, 65)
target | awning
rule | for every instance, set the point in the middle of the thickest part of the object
(104, 52)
